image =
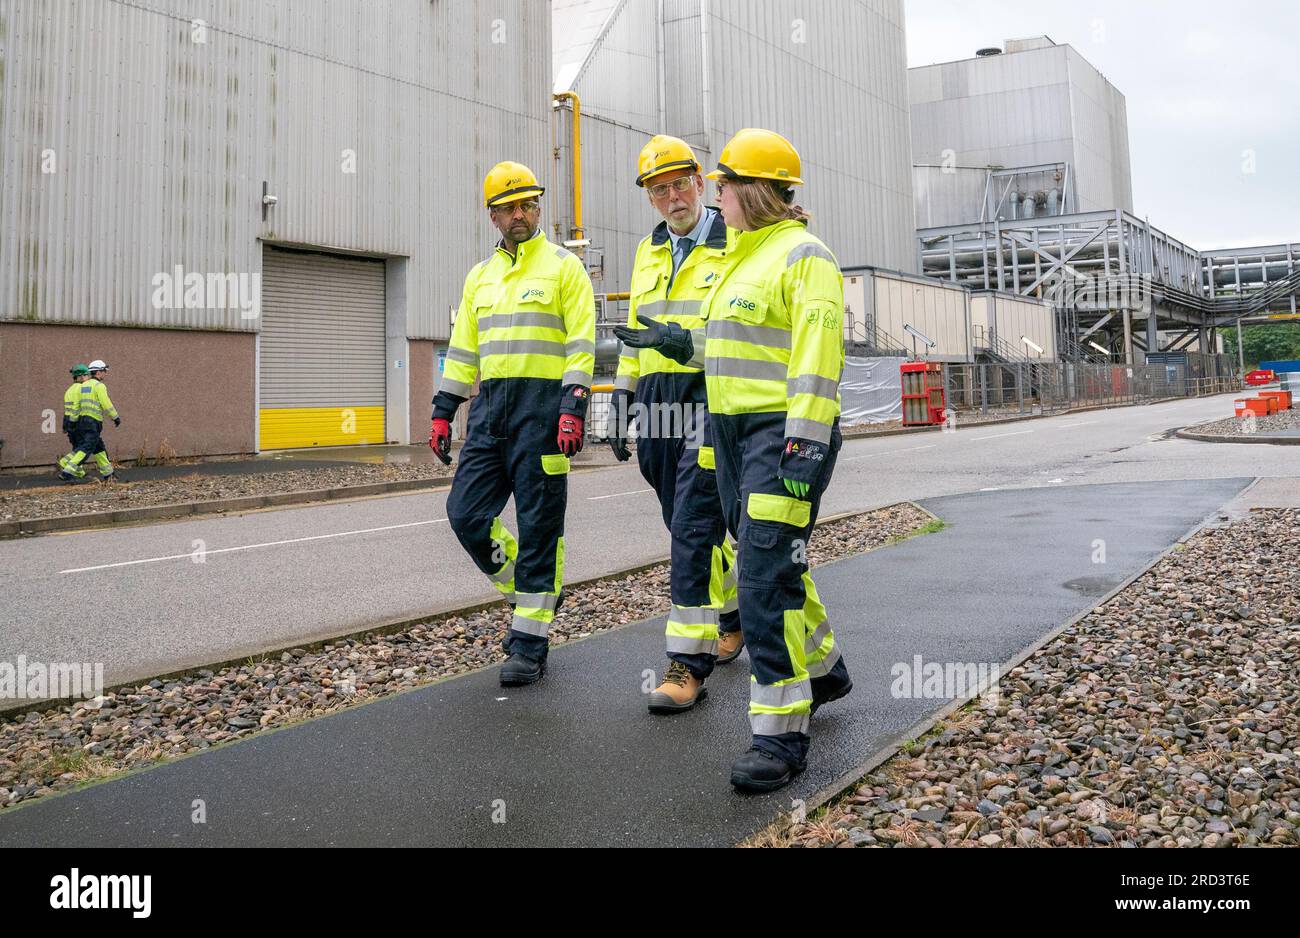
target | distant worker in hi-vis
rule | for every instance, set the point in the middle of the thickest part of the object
(93, 407)
(674, 268)
(774, 355)
(526, 330)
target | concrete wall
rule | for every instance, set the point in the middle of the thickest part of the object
(193, 391)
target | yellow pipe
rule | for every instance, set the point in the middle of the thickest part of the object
(577, 160)
(618, 296)
(602, 388)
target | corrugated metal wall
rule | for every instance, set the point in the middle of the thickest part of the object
(833, 81)
(160, 144)
(1014, 317)
(935, 309)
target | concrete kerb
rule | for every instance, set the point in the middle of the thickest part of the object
(311, 643)
(1222, 438)
(921, 727)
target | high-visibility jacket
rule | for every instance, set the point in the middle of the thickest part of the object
(528, 316)
(651, 295)
(72, 402)
(775, 331)
(94, 402)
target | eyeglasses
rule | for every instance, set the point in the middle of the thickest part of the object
(678, 185)
(508, 209)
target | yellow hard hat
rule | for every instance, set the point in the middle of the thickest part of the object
(663, 154)
(509, 182)
(759, 154)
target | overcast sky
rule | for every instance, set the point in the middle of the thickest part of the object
(1205, 83)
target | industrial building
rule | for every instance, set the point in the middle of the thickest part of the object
(262, 219)
(259, 216)
(1023, 186)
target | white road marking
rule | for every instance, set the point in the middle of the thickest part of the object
(596, 498)
(230, 550)
(1000, 435)
(891, 452)
(1085, 423)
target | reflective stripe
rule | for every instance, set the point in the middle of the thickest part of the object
(464, 356)
(693, 615)
(808, 430)
(579, 346)
(766, 336)
(541, 601)
(823, 667)
(814, 641)
(815, 385)
(680, 645)
(577, 377)
(774, 724)
(459, 388)
(659, 308)
(527, 626)
(809, 249)
(521, 347)
(732, 603)
(699, 338)
(505, 575)
(719, 367)
(506, 320)
(779, 695)
(625, 383)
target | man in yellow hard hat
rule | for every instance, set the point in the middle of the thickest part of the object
(526, 329)
(674, 269)
(773, 359)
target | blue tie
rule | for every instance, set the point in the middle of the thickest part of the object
(684, 248)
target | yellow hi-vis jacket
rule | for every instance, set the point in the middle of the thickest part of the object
(652, 296)
(528, 316)
(94, 401)
(72, 402)
(775, 331)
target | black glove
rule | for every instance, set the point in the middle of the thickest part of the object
(620, 406)
(117, 421)
(802, 462)
(667, 338)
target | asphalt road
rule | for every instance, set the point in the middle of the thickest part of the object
(577, 760)
(149, 599)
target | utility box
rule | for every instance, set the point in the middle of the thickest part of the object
(923, 399)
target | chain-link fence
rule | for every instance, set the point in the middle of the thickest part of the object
(1050, 387)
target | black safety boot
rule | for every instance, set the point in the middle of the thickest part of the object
(758, 771)
(520, 670)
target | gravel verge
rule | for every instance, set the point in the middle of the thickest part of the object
(62, 747)
(1232, 428)
(1165, 718)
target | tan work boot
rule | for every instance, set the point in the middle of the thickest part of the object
(730, 645)
(680, 691)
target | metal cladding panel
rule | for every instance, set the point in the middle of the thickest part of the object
(322, 339)
(620, 78)
(1101, 148)
(161, 131)
(943, 195)
(1021, 317)
(936, 310)
(684, 70)
(832, 80)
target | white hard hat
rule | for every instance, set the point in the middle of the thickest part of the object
(98, 365)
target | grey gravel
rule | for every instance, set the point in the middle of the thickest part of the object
(1232, 428)
(1167, 717)
(61, 747)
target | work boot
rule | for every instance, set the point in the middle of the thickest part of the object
(758, 771)
(65, 476)
(832, 686)
(680, 691)
(730, 645)
(111, 477)
(520, 670)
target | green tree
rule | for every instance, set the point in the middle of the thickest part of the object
(1264, 343)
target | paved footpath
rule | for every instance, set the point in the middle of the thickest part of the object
(577, 760)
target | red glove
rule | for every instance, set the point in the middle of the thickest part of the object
(440, 440)
(570, 438)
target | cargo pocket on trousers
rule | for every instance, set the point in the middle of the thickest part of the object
(769, 554)
(556, 467)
